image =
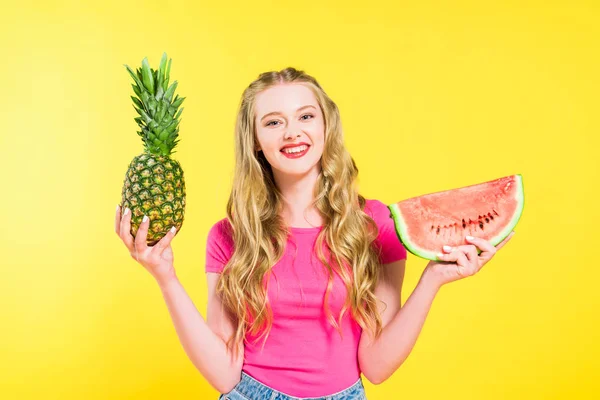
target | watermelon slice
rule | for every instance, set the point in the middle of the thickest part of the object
(487, 210)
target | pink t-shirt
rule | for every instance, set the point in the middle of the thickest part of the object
(304, 356)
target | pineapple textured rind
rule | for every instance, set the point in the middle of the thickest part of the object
(154, 186)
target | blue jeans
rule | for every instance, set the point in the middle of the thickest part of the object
(249, 388)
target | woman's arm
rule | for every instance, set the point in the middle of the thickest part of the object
(379, 359)
(204, 343)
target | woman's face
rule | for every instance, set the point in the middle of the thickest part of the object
(290, 129)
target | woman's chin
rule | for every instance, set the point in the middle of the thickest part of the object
(297, 171)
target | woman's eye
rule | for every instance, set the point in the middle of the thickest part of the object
(273, 123)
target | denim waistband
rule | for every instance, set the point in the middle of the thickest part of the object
(251, 389)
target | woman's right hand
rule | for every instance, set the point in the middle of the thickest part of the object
(157, 259)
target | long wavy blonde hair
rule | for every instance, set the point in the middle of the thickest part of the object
(260, 234)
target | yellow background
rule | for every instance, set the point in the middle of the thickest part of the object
(433, 95)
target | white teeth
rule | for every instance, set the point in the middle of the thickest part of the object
(292, 150)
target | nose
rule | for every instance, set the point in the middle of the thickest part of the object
(292, 132)
(293, 129)
(290, 135)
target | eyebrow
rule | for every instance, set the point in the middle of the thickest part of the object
(277, 112)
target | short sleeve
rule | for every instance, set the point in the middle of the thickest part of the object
(219, 246)
(390, 246)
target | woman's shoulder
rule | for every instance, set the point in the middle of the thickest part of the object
(221, 230)
(387, 240)
(376, 209)
(219, 246)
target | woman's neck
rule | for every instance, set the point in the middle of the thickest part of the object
(297, 191)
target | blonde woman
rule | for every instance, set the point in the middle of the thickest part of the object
(304, 274)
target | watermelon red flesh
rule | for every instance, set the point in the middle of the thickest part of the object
(487, 210)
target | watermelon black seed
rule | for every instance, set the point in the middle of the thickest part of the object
(438, 230)
(432, 227)
(481, 225)
(487, 220)
(464, 224)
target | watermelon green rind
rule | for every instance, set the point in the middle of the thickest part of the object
(520, 197)
(402, 232)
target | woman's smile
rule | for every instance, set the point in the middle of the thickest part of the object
(295, 151)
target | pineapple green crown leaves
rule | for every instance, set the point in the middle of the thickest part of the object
(159, 118)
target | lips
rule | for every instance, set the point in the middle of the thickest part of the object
(296, 154)
(287, 146)
(294, 149)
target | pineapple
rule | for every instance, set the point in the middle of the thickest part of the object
(154, 184)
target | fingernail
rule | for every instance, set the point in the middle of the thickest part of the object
(469, 238)
(118, 207)
(447, 248)
(144, 219)
(126, 211)
(173, 229)
(440, 255)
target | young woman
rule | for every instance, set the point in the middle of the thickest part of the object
(304, 274)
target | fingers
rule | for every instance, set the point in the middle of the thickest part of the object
(465, 267)
(138, 246)
(469, 250)
(472, 254)
(163, 243)
(124, 229)
(488, 249)
(483, 244)
(467, 259)
(455, 255)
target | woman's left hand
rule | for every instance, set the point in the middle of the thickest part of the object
(462, 261)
